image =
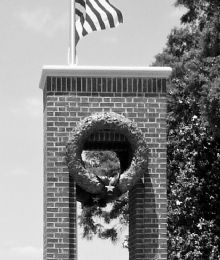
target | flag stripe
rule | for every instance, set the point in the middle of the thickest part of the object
(108, 14)
(90, 22)
(80, 7)
(87, 28)
(98, 21)
(102, 12)
(80, 2)
(117, 12)
(95, 15)
(90, 16)
(79, 14)
(78, 31)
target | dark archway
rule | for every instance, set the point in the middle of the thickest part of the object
(111, 140)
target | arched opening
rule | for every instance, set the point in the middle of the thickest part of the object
(112, 141)
(106, 154)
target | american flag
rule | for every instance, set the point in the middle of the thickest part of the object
(95, 15)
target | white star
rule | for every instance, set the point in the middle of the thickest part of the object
(110, 188)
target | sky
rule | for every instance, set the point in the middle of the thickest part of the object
(33, 34)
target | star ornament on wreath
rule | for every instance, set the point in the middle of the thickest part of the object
(110, 188)
(126, 137)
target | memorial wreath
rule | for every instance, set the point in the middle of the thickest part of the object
(91, 185)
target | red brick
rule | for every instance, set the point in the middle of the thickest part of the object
(142, 101)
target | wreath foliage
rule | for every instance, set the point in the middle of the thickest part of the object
(88, 181)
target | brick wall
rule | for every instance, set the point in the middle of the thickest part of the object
(66, 101)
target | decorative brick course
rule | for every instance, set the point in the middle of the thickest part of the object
(109, 87)
(67, 100)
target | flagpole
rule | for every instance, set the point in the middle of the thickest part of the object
(72, 47)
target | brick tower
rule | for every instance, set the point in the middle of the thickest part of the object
(72, 93)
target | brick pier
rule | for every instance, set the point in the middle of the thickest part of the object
(70, 94)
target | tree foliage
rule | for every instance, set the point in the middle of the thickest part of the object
(97, 220)
(102, 163)
(193, 51)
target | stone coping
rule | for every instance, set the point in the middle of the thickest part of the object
(102, 71)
